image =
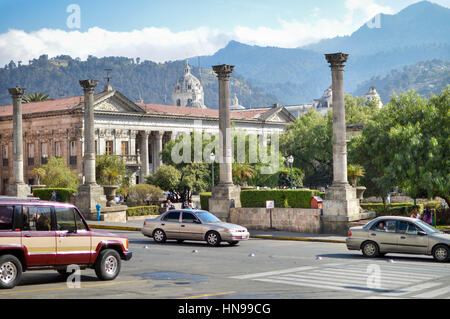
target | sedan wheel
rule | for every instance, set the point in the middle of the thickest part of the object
(213, 238)
(370, 249)
(441, 254)
(159, 236)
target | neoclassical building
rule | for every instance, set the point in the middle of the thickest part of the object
(188, 90)
(136, 131)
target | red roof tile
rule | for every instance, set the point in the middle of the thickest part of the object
(44, 106)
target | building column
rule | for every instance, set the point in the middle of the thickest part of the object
(158, 146)
(341, 204)
(225, 195)
(18, 188)
(90, 193)
(144, 155)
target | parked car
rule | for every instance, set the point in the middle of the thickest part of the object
(37, 234)
(393, 234)
(187, 224)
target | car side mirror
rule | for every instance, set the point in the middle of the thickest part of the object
(196, 221)
(421, 233)
(72, 231)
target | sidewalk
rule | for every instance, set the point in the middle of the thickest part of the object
(136, 225)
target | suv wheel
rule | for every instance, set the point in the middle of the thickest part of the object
(370, 249)
(10, 271)
(107, 265)
(441, 253)
(213, 238)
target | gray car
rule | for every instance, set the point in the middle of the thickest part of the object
(393, 234)
(187, 224)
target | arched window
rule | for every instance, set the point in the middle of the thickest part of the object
(189, 102)
(178, 102)
(189, 87)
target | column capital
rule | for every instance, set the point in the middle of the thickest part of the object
(223, 71)
(336, 60)
(17, 92)
(88, 85)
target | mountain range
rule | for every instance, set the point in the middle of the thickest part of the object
(388, 52)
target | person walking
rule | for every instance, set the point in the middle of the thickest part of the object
(427, 216)
(415, 213)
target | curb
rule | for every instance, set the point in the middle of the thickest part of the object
(126, 228)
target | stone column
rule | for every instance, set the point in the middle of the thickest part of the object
(225, 195)
(341, 204)
(158, 145)
(144, 155)
(18, 188)
(90, 193)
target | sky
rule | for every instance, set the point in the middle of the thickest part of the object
(167, 30)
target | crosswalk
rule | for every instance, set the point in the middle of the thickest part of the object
(369, 279)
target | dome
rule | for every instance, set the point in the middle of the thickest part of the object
(188, 90)
(373, 94)
(235, 106)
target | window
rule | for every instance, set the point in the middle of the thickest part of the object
(30, 154)
(44, 153)
(5, 155)
(79, 222)
(6, 217)
(385, 226)
(109, 147)
(189, 218)
(178, 102)
(37, 218)
(58, 149)
(73, 153)
(124, 147)
(412, 229)
(172, 217)
(65, 219)
(402, 227)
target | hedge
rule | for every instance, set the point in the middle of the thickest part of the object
(284, 198)
(143, 210)
(204, 200)
(62, 194)
(398, 209)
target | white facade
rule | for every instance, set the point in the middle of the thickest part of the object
(188, 90)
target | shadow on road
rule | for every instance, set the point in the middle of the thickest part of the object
(38, 279)
(172, 243)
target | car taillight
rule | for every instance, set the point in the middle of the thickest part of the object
(145, 222)
(128, 243)
(349, 233)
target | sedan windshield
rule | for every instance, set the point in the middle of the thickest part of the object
(207, 217)
(428, 228)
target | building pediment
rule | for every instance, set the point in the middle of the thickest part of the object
(115, 102)
(277, 114)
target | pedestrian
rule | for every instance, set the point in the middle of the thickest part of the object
(169, 205)
(191, 204)
(415, 213)
(427, 216)
(53, 198)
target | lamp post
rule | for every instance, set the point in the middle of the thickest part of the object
(290, 160)
(212, 157)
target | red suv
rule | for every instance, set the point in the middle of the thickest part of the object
(37, 234)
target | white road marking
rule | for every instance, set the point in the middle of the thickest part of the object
(434, 293)
(271, 273)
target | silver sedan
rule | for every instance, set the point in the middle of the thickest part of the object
(189, 224)
(393, 234)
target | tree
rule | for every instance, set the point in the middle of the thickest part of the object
(39, 173)
(35, 97)
(110, 169)
(407, 145)
(58, 175)
(242, 172)
(166, 177)
(143, 194)
(354, 172)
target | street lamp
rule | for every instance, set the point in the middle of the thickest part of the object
(212, 157)
(290, 160)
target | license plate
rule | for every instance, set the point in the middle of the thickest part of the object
(244, 236)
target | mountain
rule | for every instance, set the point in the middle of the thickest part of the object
(417, 33)
(153, 82)
(422, 23)
(424, 77)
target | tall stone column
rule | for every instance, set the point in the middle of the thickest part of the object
(18, 188)
(225, 195)
(144, 155)
(158, 149)
(90, 193)
(341, 204)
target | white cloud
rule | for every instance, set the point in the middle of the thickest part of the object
(161, 44)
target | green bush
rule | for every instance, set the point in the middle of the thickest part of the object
(295, 198)
(139, 195)
(395, 209)
(143, 210)
(62, 194)
(204, 200)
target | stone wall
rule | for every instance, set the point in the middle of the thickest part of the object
(300, 220)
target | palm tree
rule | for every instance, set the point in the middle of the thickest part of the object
(35, 97)
(243, 171)
(355, 171)
(39, 173)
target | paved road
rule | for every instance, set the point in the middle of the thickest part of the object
(257, 268)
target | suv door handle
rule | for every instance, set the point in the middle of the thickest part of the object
(27, 235)
(183, 225)
(373, 234)
(402, 237)
(162, 224)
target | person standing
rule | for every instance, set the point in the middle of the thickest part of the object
(415, 213)
(427, 216)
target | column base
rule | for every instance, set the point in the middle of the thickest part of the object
(20, 190)
(224, 197)
(89, 196)
(341, 200)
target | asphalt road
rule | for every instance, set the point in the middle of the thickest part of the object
(257, 268)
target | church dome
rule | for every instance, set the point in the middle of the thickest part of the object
(188, 90)
(373, 94)
(235, 106)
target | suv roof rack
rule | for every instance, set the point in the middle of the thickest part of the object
(28, 199)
